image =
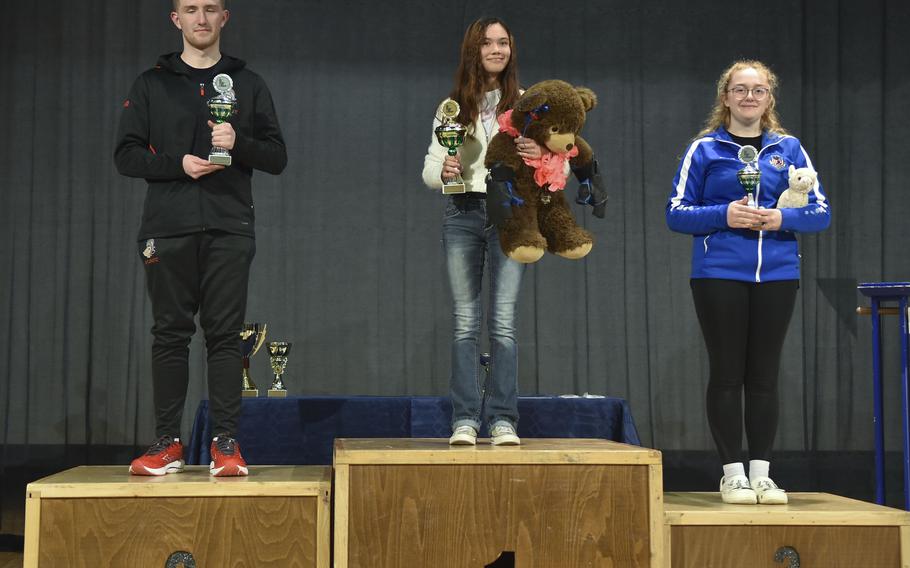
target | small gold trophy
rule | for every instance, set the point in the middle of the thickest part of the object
(750, 176)
(251, 339)
(222, 106)
(278, 357)
(451, 135)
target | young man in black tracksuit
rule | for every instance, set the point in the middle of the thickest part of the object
(196, 239)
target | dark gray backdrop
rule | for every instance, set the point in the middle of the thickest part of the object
(349, 263)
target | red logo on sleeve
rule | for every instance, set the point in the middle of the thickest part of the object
(126, 103)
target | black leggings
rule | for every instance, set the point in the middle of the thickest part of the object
(744, 325)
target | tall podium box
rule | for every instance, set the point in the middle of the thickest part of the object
(814, 529)
(101, 516)
(546, 503)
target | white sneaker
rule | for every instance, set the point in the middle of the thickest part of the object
(464, 435)
(737, 491)
(503, 434)
(768, 492)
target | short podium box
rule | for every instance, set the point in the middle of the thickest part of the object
(546, 503)
(102, 516)
(813, 530)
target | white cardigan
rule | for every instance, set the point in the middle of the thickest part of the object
(472, 155)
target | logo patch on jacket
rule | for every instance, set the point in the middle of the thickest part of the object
(777, 161)
(150, 253)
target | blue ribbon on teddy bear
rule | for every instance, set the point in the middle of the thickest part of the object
(590, 188)
(534, 115)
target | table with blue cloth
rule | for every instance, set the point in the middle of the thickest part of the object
(302, 430)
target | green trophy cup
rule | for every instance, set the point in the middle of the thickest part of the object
(750, 176)
(451, 135)
(278, 357)
(222, 106)
(251, 339)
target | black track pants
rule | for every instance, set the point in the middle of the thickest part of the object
(204, 272)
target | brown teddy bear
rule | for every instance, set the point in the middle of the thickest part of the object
(524, 197)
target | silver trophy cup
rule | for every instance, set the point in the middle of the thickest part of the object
(222, 106)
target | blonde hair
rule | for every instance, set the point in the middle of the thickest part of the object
(720, 115)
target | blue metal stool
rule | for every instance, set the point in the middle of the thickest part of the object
(879, 292)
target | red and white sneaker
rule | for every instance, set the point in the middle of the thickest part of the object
(162, 457)
(226, 458)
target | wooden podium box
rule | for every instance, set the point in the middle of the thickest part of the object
(103, 516)
(565, 503)
(817, 528)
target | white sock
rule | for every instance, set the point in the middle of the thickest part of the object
(736, 468)
(758, 468)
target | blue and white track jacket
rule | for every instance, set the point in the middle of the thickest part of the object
(705, 185)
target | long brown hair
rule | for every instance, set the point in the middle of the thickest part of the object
(471, 79)
(720, 115)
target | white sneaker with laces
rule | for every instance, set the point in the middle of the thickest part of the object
(768, 492)
(735, 489)
(464, 435)
(503, 434)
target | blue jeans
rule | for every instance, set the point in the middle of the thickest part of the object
(468, 243)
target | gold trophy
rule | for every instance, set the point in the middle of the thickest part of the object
(251, 339)
(278, 357)
(222, 106)
(451, 135)
(750, 176)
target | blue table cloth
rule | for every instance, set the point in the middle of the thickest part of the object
(302, 430)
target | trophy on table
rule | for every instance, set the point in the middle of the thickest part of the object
(750, 176)
(251, 338)
(222, 106)
(451, 135)
(278, 357)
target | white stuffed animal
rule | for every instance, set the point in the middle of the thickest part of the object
(802, 180)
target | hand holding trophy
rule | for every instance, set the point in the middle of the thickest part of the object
(251, 338)
(451, 135)
(278, 357)
(750, 176)
(222, 106)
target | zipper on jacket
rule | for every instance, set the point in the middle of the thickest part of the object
(761, 234)
(201, 211)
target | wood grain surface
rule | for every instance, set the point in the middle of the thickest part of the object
(744, 546)
(10, 560)
(803, 509)
(467, 515)
(140, 532)
(531, 451)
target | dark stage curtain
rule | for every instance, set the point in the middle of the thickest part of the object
(349, 265)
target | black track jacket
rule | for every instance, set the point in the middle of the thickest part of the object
(165, 118)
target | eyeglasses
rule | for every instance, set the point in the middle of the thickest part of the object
(758, 93)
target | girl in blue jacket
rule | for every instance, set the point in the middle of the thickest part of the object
(745, 265)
